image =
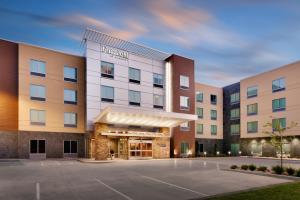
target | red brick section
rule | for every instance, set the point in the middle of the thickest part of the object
(8, 86)
(182, 66)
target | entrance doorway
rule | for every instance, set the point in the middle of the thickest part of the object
(140, 149)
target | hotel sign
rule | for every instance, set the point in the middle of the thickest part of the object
(115, 52)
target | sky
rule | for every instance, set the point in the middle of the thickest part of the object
(229, 40)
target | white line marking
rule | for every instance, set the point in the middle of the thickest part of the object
(173, 185)
(38, 194)
(116, 191)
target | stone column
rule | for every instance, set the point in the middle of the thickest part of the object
(101, 147)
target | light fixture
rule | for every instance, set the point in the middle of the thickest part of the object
(229, 152)
(240, 152)
(218, 152)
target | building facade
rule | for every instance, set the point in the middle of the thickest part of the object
(209, 125)
(128, 101)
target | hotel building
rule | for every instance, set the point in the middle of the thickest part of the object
(124, 100)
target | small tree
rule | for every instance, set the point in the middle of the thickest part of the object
(278, 135)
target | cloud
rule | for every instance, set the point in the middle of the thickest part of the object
(172, 14)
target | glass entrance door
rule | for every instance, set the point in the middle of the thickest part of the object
(140, 149)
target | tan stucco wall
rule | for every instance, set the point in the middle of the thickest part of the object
(207, 106)
(291, 73)
(55, 85)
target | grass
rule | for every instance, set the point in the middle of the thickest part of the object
(290, 191)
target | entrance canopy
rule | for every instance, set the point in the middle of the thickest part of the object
(135, 117)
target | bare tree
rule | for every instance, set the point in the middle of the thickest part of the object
(278, 135)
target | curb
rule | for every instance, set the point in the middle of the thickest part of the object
(292, 178)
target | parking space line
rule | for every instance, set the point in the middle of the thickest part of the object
(173, 185)
(116, 191)
(38, 194)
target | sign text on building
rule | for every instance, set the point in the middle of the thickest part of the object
(115, 52)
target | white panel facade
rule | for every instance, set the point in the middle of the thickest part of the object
(120, 82)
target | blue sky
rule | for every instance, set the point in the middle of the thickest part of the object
(229, 40)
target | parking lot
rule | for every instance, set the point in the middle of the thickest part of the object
(148, 179)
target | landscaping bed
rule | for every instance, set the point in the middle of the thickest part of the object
(277, 171)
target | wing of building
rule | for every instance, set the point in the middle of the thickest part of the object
(127, 101)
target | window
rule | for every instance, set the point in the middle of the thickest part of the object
(278, 104)
(37, 92)
(184, 103)
(107, 69)
(70, 96)
(37, 146)
(278, 85)
(213, 114)
(199, 96)
(235, 98)
(37, 117)
(70, 74)
(70, 146)
(70, 119)
(252, 109)
(213, 129)
(158, 80)
(279, 124)
(213, 99)
(199, 129)
(184, 82)
(134, 75)
(200, 112)
(158, 101)
(235, 113)
(252, 127)
(235, 129)
(184, 148)
(185, 126)
(37, 68)
(252, 92)
(107, 94)
(134, 98)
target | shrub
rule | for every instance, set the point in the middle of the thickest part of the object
(244, 167)
(262, 168)
(252, 167)
(291, 171)
(277, 169)
(298, 173)
(233, 167)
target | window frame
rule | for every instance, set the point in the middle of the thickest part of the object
(211, 99)
(132, 103)
(212, 111)
(70, 146)
(68, 79)
(183, 80)
(199, 116)
(281, 88)
(252, 131)
(252, 88)
(34, 73)
(212, 128)
(156, 105)
(130, 79)
(38, 123)
(105, 99)
(202, 96)
(183, 107)
(36, 98)
(235, 95)
(197, 132)
(70, 102)
(106, 75)
(157, 85)
(280, 108)
(185, 128)
(71, 125)
(239, 115)
(249, 106)
(37, 146)
(233, 132)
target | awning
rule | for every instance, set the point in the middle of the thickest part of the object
(135, 117)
